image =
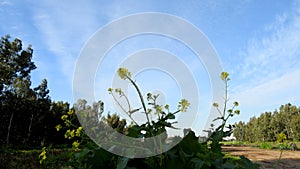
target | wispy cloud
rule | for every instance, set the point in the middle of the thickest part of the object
(66, 27)
(277, 52)
(63, 31)
(5, 2)
(269, 74)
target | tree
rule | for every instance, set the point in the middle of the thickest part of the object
(269, 125)
(239, 131)
(27, 113)
(15, 64)
(15, 68)
(295, 127)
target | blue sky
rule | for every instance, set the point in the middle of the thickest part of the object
(257, 42)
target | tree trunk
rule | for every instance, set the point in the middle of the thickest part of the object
(9, 127)
(29, 128)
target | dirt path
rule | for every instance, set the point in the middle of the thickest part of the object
(268, 159)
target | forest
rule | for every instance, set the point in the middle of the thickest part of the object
(28, 115)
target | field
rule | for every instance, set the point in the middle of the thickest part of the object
(265, 157)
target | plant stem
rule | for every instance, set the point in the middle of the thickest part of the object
(225, 104)
(124, 109)
(277, 162)
(141, 97)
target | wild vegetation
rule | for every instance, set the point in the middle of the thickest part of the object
(189, 153)
(31, 120)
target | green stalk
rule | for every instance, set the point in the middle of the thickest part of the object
(141, 97)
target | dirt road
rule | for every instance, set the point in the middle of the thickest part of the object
(268, 159)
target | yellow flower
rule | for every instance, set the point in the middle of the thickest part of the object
(67, 133)
(70, 134)
(236, 103)
(43, 153)
(183, 105)
(64, 117)
(68, 123)
(123, 73)
(70, 112)
(58, 127)
(43, 156)
(75, 145)
(215, 104)
(224, 76)
(78, 131)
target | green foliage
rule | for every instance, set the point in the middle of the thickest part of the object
(27, 114)
(269, 125)
(15, 63)
(239, 143)
(189, 153)
(265, 145)
(283, 146)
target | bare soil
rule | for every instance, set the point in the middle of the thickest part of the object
(268, 159)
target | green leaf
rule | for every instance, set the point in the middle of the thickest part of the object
(248, 164)
(170, 116)
(198, 163)
(190, 143)
(122, 163)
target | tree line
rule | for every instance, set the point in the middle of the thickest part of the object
(28, 115)
(269, 126)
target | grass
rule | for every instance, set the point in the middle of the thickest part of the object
(229, 156)
(265, 145)
(236, 143)
(27, 159)
(262, 145)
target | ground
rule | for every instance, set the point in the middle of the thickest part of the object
(268, 159)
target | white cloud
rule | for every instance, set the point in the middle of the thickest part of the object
(275, 92)
(275, 54)
(64, 28)
(269, 74)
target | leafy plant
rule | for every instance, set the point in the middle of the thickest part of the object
(151, 127)
(217, 135)
(188, 154)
